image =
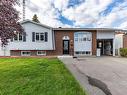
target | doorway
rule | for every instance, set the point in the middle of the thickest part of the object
(65, 46)
(106, 46)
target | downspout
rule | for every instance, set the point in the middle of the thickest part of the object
(114, 45)
(53, 39)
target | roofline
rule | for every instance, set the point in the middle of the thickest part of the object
(27, 20)
(88, 29)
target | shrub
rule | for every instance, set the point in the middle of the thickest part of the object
(123, 52)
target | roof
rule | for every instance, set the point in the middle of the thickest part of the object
(27, 20)
(77, 29)
(88, 29)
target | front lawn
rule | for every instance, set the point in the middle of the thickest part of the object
(36, 76)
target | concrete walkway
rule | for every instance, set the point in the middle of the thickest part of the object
(110, 70)
(81, 77)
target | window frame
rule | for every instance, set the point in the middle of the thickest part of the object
(82, 53)
(25, 54)
(40, 35)
(43, 54)
(82, 37)
(19, 38)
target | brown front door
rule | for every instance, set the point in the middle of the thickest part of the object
(65, 46)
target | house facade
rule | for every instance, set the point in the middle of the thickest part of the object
(37, 40)
(42, 40)
(83, 42)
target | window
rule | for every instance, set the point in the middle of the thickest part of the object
(41, 52)
(40, 37)
(25, 53)
(19, 37)
(83, 52)
(82, 36)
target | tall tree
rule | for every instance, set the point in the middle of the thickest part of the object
(35, 18)
(9, 17)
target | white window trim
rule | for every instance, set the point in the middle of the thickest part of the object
(39, 37)
(83, 54)
(25, 54)
(18, 38)
(41, 54)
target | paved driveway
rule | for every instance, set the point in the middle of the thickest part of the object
(110, 70)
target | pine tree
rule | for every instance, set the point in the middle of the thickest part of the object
(9, 18)
(35, 18)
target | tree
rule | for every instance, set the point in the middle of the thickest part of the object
(35, 18)
(9, 17)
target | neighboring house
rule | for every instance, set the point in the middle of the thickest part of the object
(118, 42)
(41, 40)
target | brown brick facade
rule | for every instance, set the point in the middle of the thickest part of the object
(59, 34)
(125, 41)
(59, 42)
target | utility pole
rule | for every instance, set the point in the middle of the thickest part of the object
(24, 9)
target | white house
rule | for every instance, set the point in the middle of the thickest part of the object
(38, 38)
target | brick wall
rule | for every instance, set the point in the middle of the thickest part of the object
(59, 34)
(18, 52)
(59, 42)
(125, 41)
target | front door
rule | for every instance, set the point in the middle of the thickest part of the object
(65, 46)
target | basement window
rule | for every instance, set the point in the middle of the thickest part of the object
(25, 53)
(41, 53)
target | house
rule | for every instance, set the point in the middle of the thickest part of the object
(42, 40)
(37, 41)
(84, 41)
(120, 41)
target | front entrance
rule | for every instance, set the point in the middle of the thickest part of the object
(106, 46)
(65, 46)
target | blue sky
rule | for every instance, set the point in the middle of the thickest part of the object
(79, 13)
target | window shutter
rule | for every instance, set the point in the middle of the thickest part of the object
(33, 36)
(12, 39)
(24, 37)
(46, 36)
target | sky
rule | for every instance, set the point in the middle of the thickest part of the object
(78, 13)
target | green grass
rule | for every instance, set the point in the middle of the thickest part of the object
(36, 76)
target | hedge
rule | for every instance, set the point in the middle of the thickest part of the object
(123, 52)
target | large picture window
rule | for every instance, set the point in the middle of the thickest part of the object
(82, 36)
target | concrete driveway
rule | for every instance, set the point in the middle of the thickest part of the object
(110, 70)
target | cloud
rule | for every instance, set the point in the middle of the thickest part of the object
(87, 12)
(83, 14)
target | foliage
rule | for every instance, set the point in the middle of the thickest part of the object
(35, 18)
(123, 52)
(36, 76)
(9, 18)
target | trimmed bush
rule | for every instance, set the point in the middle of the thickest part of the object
(123, 52)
